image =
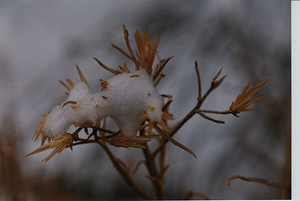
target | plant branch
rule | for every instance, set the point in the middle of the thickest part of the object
(156, 178)
(199, 79)
(165, 135)
(124, 172)
(116, 72)
(214, 84)
(259, 180)
(211, 119)
(213, 111)
(160, 68)
(191, 193)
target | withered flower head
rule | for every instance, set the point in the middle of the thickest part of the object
(243, 100)
(59, 143)
(147, 50)
(154, 117)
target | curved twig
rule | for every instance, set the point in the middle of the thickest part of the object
(160, 131)
(214, 84)
(211, 119)
(137, 166)
(191, 193)
(259, 180)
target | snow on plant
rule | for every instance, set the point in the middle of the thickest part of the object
(139, 110)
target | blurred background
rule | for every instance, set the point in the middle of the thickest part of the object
(42, 41)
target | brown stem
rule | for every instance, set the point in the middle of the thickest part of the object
(122, 51)
(126, 36)
(211, 119)
(157, 72)
(116, 72)
(213, 111)
(259, 180)
(156, 178)
(137, 166)
(124, 172)
(161, 75)
(106, 130)
(214, 85)
(191, 193)
(165, 135)
(167, 105)
(118, 163)
(199, 79)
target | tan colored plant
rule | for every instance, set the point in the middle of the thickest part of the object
(149, 119)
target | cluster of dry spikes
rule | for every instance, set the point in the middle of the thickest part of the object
(143, 60)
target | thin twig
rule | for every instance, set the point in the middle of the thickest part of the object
(106, 130)
(116, 72)
(156, 73)
(213, 111)
(83, 142)
(211, 119)
(160, 131)
(126, 37)
(137, 166)
(161, 75)
(124, 173)
(191, 193)
(259, 180)
(167, 104)
(198, 78)
(113, 135)
(214, 84)
(122, 51)
(157, 183)
(159, 62)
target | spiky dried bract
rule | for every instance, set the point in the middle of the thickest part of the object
(243, 100)
(59, 143)
(122, 140)
(146, 50)
(82, 77)
(65, 85)
(38, 131)
(71, 83)
(156, 116)
(125, 69)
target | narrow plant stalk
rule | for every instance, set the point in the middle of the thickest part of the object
(124, 172)
(161, 75)
(122, 51)
(199, 79)
(191, 193)
(214, 84)
(116, 72)
(156, 179)
(133, 58)
(211, 119)
(163, 163)
(158, 71)
(165, 135)
(259, 180)
(213, 111)
(137, 166)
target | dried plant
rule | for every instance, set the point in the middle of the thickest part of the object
(131, 99)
